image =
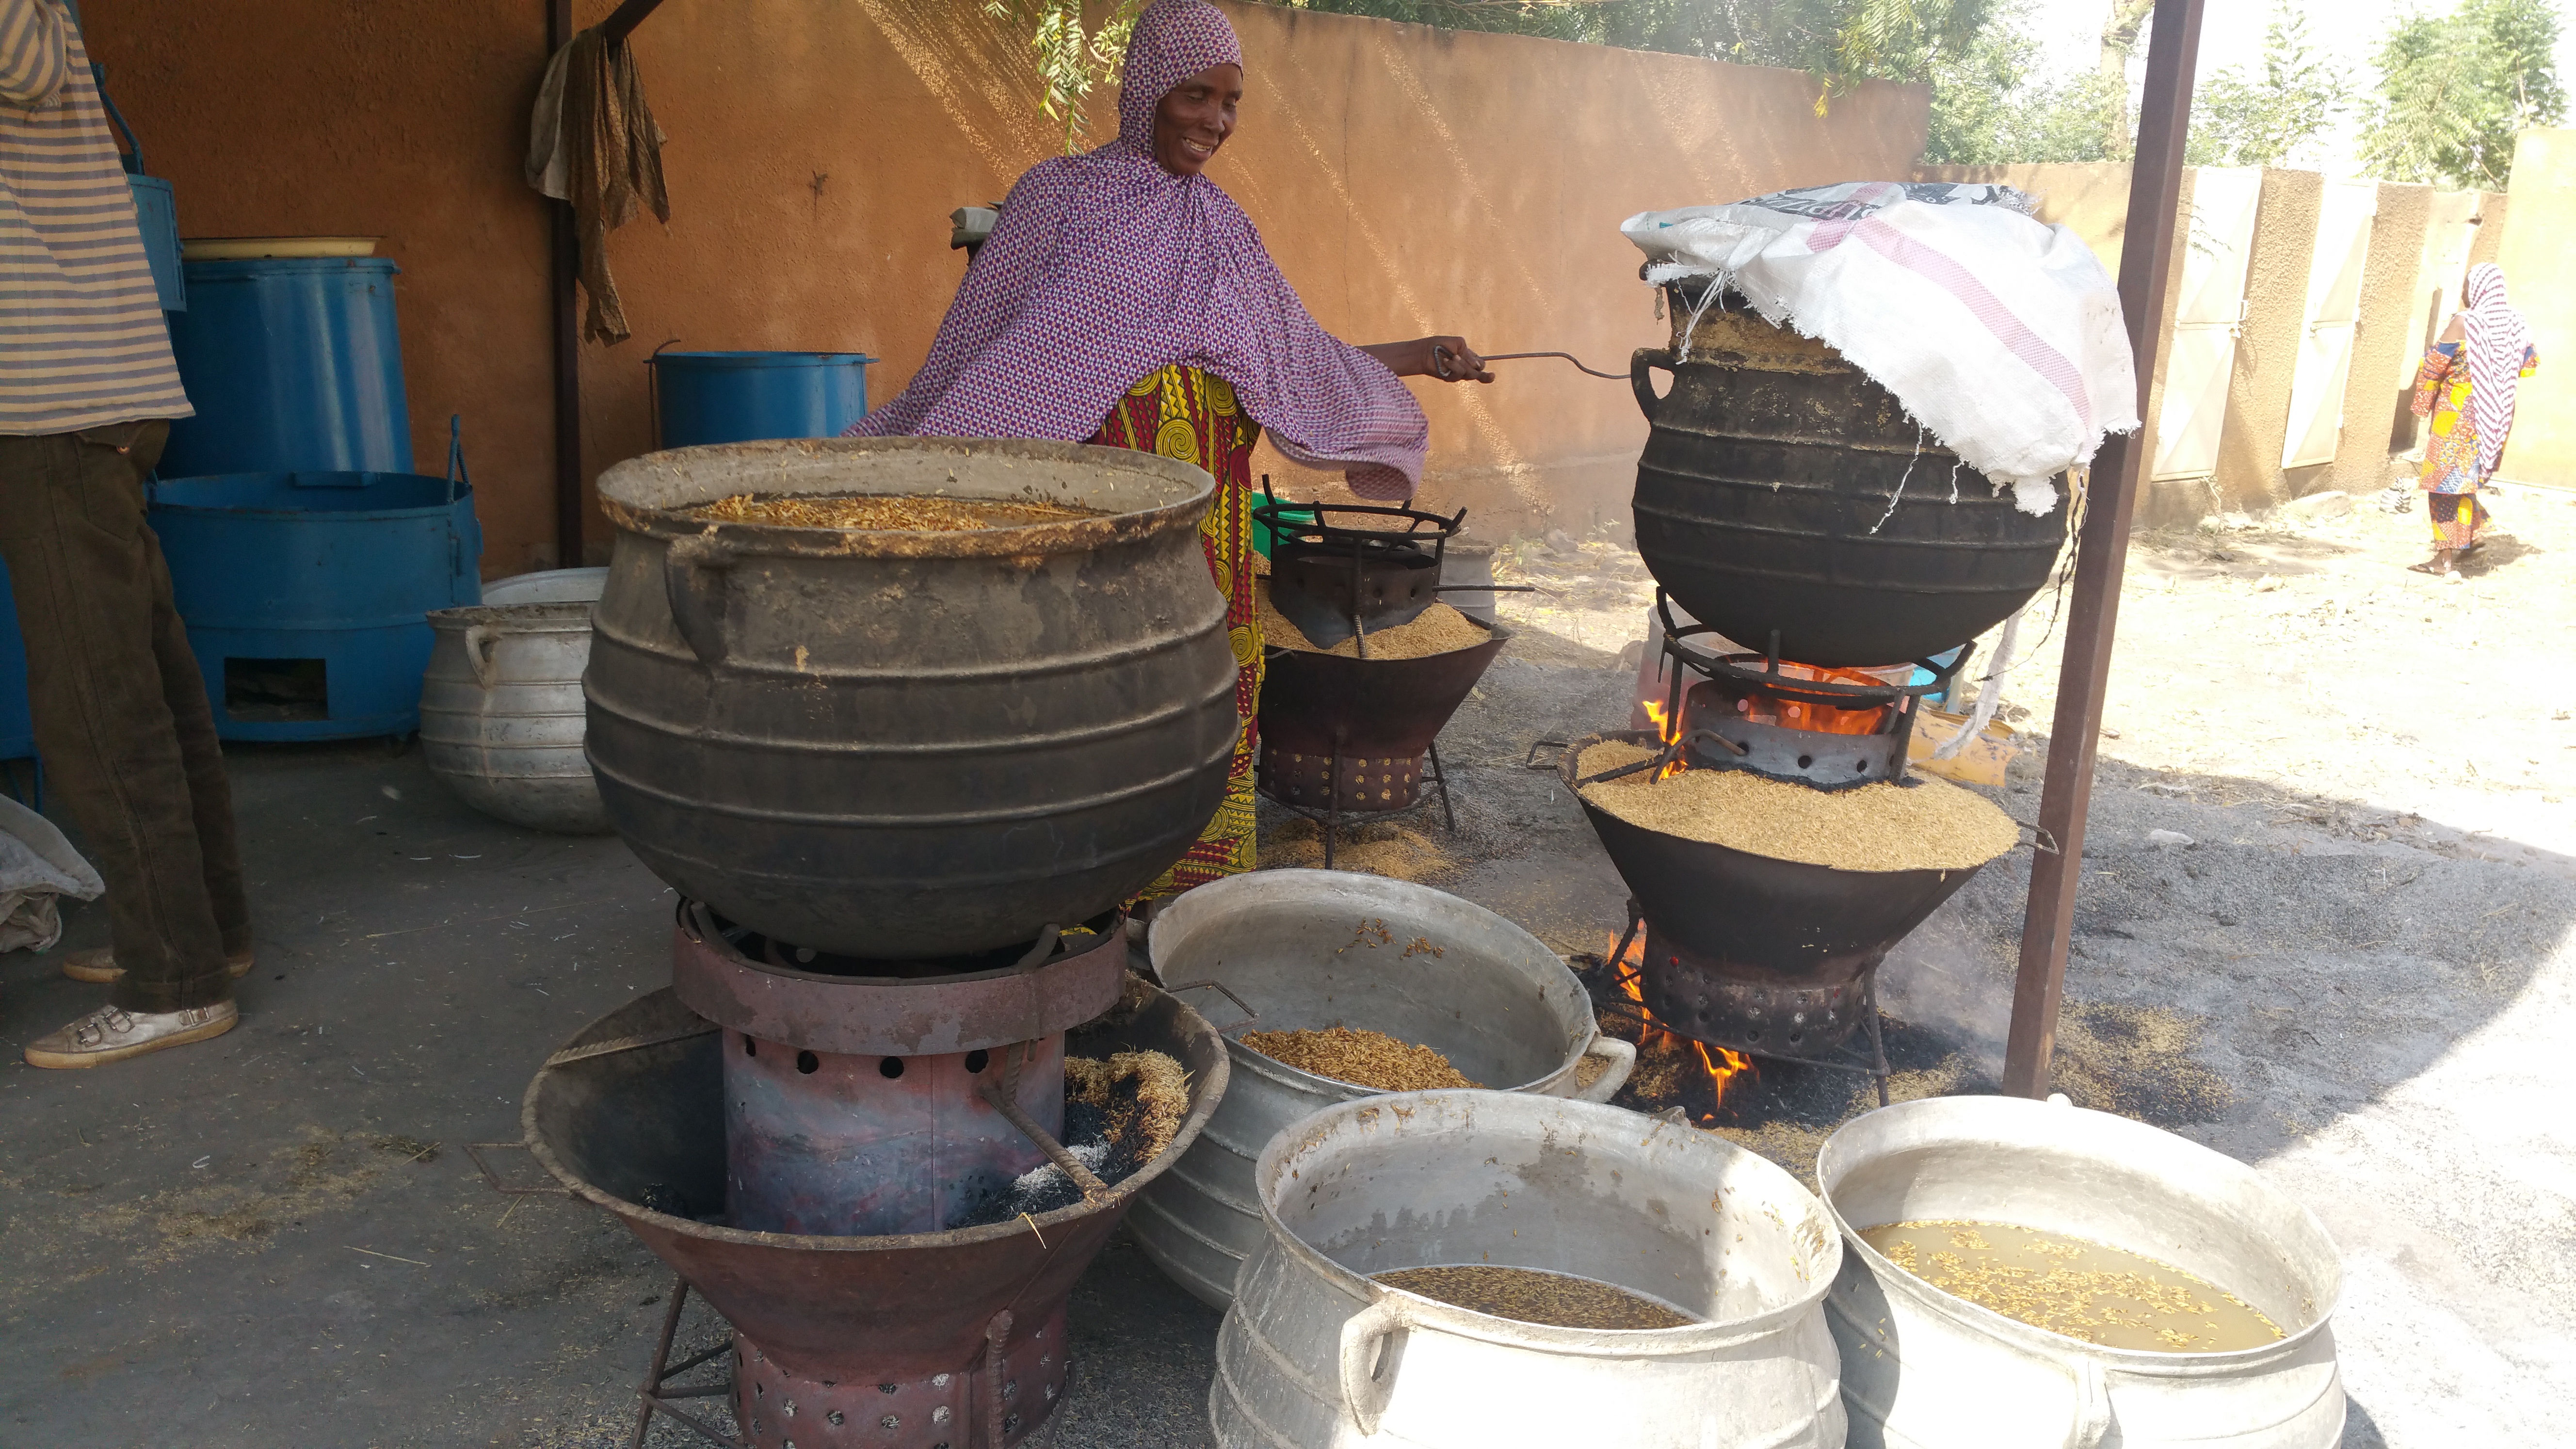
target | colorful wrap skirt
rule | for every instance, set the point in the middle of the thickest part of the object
(1183, 412)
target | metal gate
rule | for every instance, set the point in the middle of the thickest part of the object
(2208, 311)
(2333, 314)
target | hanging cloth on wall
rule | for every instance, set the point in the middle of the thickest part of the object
(593, 142)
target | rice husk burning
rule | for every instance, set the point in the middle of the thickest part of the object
(1929, 825)
(1144, 1095)
(1362, 1058)
(892, 512)
(1439, 630)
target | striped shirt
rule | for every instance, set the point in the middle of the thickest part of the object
(82, 339)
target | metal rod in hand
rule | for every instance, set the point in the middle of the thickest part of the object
(1444, 363)
(2093, 610)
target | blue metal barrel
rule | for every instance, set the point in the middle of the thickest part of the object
(739, 397)
(17, 726)
(306, 594)
(293, 363)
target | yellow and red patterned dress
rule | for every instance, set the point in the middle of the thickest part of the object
(1186, 413)
(2450, 472)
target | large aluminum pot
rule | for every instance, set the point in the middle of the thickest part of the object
(501, 713)
(1925, 1370)
(1315, 1355)
(1781, 488)
(902, 745)
(1308, 949)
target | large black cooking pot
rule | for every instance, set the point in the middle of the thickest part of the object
(1771, 462)
(905, 745)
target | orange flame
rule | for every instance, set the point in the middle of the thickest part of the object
(1722, 1064)
(1667, 729)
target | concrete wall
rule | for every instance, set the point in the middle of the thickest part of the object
(2267, 348)
(2534, 253)
(1408, 180)
(2383, 343)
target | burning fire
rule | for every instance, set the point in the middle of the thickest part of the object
(1666, 730)
(1722, 1064)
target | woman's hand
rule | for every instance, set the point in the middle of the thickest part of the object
(1449, 359)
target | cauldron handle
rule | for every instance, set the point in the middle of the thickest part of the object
(1367, 1367)
(693, 581)
(1642, 361)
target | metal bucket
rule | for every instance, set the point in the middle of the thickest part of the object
(743, 397)
(1925, 1370)
(501, 715)
(549, 586)
(1308, 949)
(293, 363)
(305, 593)
(1313, 1353)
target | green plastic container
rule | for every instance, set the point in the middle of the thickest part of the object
(1261, 531)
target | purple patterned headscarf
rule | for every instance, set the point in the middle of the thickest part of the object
(1105, 268)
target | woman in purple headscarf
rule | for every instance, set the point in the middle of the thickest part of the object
(2466, 388)
(1124, 299)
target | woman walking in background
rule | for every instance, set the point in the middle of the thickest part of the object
(2466, 386)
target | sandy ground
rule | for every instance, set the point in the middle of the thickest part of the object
(2354, 977)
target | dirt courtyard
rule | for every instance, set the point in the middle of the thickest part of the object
(2344, 955)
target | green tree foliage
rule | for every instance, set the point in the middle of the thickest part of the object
(1072, 60)
(2243, 119)
(1990, 107)
(2454, 89)
(1841, 42)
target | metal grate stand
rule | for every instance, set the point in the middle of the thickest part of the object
(1849, 1058)
(659, 1398)
(1330, 817)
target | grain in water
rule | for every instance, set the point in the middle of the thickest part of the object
(1362, 1058)
(1438, 630)
(888, 512)
(1532, 1295)
(1929, 825)
(2100, 1294)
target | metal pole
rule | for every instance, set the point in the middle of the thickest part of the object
(2155, 189)
(622, 21)
(563, 270)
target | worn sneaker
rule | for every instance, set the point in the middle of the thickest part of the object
(100, 965)
(111, 1034)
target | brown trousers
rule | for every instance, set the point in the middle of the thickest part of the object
(122, 720)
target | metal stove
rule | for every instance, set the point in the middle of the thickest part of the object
(1344, 735)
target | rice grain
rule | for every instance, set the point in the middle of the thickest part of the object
(1929, 825)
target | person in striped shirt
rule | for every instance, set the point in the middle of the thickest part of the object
(87, 392)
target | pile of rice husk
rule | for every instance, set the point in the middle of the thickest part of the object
(1362, 1058)
(1439, 630)
(1142, 1099)
(1929, 825)
(891, 512)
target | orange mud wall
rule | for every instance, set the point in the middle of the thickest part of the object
(1408, 180)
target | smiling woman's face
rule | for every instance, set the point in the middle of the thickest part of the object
(1195, 118)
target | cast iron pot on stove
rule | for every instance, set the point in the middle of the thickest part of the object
(1330, 573)
(1763, 502)
(906, 745)
(1752, 919)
